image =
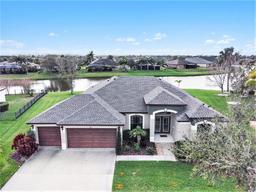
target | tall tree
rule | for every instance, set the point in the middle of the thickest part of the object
(228, 151)
(219, 75)
(228, 57)
(67, 67)
(90, 57)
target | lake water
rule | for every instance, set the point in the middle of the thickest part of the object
(195, 82)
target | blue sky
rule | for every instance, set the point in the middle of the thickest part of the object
(126, 27)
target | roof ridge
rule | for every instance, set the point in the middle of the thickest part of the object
(76, 111)
(108, 107)
(161, 91)
(50, 108)
(100, 85)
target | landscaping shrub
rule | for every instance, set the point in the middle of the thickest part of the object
(136, 147)
(24, 145)
(4, 106)
(178, 147)
(150, 150)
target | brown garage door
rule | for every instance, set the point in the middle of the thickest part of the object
(49, 136)
(91, 138)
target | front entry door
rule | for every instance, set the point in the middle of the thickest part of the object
(162, 124)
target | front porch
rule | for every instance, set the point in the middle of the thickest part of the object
(162, 124)
(163, 138)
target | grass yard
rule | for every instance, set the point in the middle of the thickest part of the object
(9, 129)
(211, 98)
(84, 74)
(17, 101)
(162, 176)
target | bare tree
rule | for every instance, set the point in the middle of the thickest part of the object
(67, 66)
(219, 75)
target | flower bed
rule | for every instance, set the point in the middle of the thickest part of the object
(131, 147)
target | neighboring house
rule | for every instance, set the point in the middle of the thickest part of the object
(11, 67)
(91, 120)
(2, 95)
(180, 63)
(200, 62)
(101, 65)
(148, 66)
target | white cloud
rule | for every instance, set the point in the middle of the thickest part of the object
(129, 40)
(159, 36)
(52, 34)
(210, 41)
(156, 37)
(225, 40)
(11, 44)
(126, 39)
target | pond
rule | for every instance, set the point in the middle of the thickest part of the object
(193, 82)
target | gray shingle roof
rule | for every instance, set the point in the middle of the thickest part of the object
(126, 95)
(102, 63)
(160, 96)
(63, 109)
(97, 112)
(198, 60)
(104, 103)
(81, 109)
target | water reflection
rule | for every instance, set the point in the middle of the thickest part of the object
(196, 82)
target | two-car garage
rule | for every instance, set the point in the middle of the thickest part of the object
(78, 137)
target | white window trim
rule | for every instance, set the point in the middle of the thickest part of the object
(205, 122)
(139, 114)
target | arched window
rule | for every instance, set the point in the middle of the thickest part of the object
(136, 120)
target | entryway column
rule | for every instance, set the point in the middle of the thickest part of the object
(63, 134)
(152, 128)
(35, 130)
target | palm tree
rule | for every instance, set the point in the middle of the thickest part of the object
(138, 132)
(228, 58)
(90, 57)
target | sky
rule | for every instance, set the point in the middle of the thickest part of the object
(127, 27)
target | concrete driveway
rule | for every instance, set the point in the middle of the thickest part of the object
(65, 170)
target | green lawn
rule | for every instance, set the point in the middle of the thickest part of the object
(211, 98)
(9, 129)
(84, 74)
(162, 176)
(17, 101)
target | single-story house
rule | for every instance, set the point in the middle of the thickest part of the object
(101, 65)
(200, 62)
(148, 66)
(11, 67)
(92, 119)
(180, 63)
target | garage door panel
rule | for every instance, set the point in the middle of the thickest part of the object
(49, 136)
(91, 138)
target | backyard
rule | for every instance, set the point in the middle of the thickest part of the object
(163, 176)
(17, 101)
(84, 74)
(9, 129)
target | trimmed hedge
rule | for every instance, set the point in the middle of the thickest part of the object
(4, 106)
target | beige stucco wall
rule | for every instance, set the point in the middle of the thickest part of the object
(2, 95)
(181, 130)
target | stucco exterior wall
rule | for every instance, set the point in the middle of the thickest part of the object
(2, 95)
(181, 130)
